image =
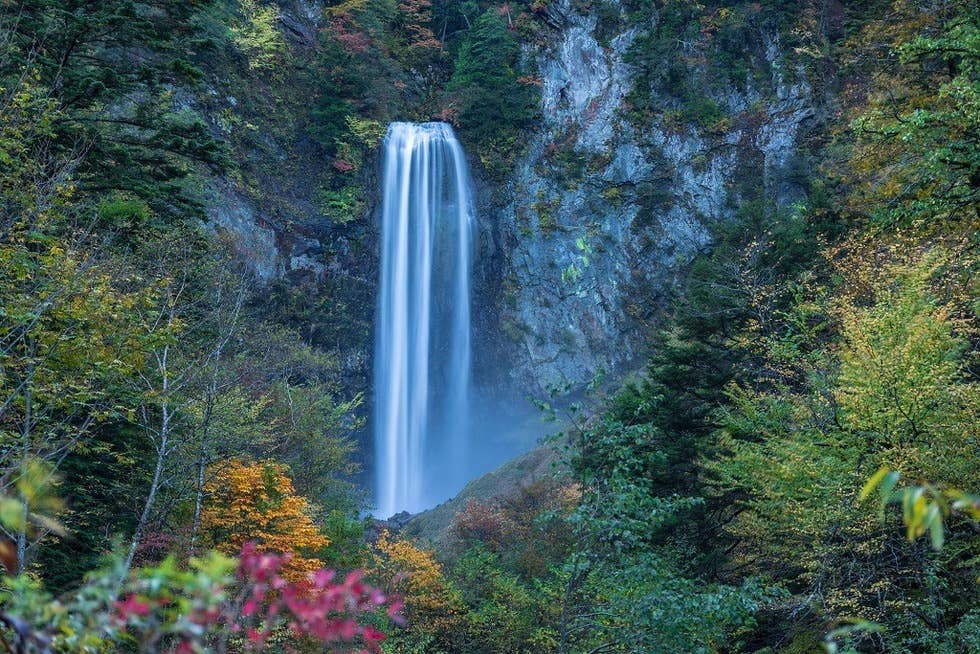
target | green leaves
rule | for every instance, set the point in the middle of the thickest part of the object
(85, 57)
(916, 160)
(12, 514)
(30, 512)
(886, 479)
(259, 38)
(924, 507)
(493, 105)
(881, 384)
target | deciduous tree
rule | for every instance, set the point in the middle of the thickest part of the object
(248, 501)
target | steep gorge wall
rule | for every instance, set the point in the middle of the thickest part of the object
(602, 214)
(585, 239)
(320, 266)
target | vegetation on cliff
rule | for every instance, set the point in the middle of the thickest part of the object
(795, 469)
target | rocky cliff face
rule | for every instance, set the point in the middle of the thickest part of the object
(585, 240)
(602, 213)
(266, 204)
(269, 205)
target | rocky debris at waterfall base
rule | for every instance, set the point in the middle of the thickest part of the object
(394, 524)
(397, 521)
(434, 526)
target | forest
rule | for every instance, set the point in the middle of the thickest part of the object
(780, 457)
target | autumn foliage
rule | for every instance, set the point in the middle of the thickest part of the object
(251, 610)
(432, 603)
(257, 502)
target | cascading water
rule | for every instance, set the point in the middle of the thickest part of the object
(422, 354)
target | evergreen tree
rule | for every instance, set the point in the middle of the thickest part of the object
(112, 67)
(492, 104)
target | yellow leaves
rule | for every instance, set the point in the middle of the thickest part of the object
(33, 508)
(259, 37)
(70, 334)
(902, 380)
(924, 507)
(257, 501)
(369, 133)
(874, 481)
(419, 565)
(431, 602)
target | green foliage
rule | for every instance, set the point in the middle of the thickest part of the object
(924, 508)
(258, 36)
(119, 105)
(310, 427)
(124, 213)
(492, 105)
(651, 608)
(918, 164)
(635, 583)
(903, 383)
(330, 116)
(212, 603)
(896, 374)
(69, 342)
(343, 206)
(505, 614)
(806, 348)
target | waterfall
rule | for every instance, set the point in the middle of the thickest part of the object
(422, 353)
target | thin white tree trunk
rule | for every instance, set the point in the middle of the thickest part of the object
(202, 462)
(154, 487)
(162, 445)
(26, 436)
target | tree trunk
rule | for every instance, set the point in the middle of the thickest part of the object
(26, 449)
(202, 462)
(22, 540)
(162, 444)
(154, 487)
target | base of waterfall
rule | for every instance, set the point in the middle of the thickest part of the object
(504, 432)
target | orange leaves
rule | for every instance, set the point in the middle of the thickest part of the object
(352, 41)
(528, 524)
(412, 570)
(256, 501)
(529, 80)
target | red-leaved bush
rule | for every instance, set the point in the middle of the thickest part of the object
(318, 607)
(214, 604)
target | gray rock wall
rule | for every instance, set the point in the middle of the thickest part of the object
(600, 213)
(582, 245)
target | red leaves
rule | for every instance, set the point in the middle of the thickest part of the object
(395, 612)
(373, 636)
(352, 41)
(260, 600)
(317, 606)
(343, 166)
(449, 114)
(131, 606)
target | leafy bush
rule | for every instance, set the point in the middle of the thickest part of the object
(213, 601)
(258, 36)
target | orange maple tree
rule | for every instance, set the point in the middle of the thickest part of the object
(256, 501)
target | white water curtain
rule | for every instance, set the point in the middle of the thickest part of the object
(422, 354)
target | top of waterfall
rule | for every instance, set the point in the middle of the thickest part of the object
(433, 128)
